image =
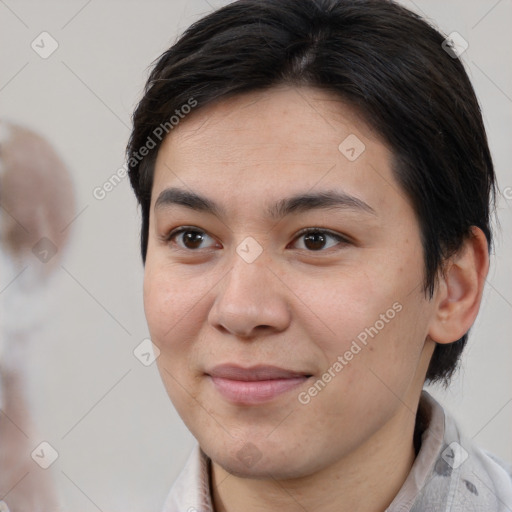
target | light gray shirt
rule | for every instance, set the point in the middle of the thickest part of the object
(449, 474)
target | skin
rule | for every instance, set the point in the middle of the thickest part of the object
(350, 447)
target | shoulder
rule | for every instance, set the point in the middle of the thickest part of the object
(463, 475)
(191, 490)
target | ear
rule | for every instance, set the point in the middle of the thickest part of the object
(459, 290)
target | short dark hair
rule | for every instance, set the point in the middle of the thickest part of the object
(377, 56)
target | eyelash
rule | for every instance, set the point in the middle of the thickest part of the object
(341, 239)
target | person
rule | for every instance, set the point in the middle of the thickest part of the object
(316, 191)
(37, 200)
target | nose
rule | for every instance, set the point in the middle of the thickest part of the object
(251, 301)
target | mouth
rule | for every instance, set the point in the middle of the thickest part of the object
(256, 384)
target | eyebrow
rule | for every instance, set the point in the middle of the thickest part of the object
(291, 205)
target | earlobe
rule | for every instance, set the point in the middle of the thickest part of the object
(459, 291)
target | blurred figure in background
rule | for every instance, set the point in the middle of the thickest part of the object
(36, 208)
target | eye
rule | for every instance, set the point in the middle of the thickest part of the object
(316, 239)
(189, 238)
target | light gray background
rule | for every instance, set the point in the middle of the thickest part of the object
(121, 444)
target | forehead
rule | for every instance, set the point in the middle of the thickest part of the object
(264, 143)
(305, 117)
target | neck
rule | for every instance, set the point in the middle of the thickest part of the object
(367, 479)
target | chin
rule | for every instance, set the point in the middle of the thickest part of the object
(264, 470)
(249, 462)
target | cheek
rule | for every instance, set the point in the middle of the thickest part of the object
(172, 308)
(345, 302)
(176, 305)
(377, 316)
(170, 303)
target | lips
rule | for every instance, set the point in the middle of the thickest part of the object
(256, 384)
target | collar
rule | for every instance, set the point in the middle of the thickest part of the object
(448, 474)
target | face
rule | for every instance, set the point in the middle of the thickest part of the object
(283, 282)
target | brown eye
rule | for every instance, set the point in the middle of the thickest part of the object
(192, 239)
(318, 239)
(189, 238)
(314, 241)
